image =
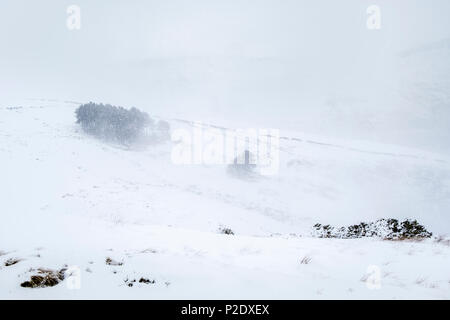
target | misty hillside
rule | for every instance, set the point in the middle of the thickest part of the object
(310, 67)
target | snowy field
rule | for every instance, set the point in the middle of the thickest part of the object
(360, 96)
(70, 200)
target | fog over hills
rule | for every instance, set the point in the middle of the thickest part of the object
(310, 66)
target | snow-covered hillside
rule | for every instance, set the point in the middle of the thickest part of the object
(363, 116)
(70, 199)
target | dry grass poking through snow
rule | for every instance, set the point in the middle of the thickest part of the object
(12, 261)
(45, 278)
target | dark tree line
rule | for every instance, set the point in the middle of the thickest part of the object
(120, 125)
